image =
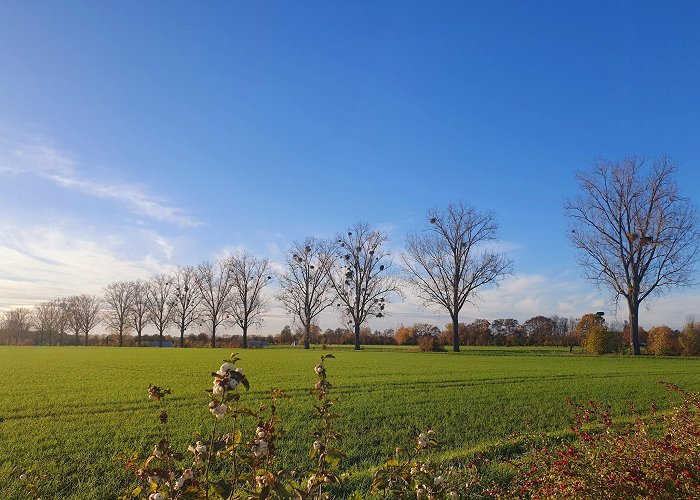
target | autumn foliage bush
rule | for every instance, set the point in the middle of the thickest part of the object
(601, 340)
(690, 339)
(662, 341)
(428, 344)
(656, 459)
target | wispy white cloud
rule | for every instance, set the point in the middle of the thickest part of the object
(161, 242)
(42, 263)
(46, 162)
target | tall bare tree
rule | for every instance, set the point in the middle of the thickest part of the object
(159, 293)
(448, 262)
(636, 235)
(62, 318)
(305, 284)
(249, 276)
(119, 298)
(45, 316)
(361, 276)
(86, 311)
(214, 282)
(73, 316)
(186, 300)
(18, 321)
(139, 308)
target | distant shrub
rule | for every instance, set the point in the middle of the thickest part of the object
(601, 340)
(690, 339)
(405, 335)
(662, 341)
(430, 344)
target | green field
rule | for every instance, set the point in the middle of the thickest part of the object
(68, 412)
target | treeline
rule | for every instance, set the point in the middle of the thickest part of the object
(445, 265)
(589, 333)
(597, 338)
(227, 292)
(352, 273)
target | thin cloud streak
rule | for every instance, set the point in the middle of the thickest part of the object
(42, 263)
(58, 167)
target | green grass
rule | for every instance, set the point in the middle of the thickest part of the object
(68, 411)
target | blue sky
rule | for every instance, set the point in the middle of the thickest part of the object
(135, 136)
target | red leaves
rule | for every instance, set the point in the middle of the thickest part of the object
(618, 462)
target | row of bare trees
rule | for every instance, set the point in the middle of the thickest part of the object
(352, 272)
(445, 265)
(636, 235)
(229, 290)
(54, 319)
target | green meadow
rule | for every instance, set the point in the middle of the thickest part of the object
(68, 412)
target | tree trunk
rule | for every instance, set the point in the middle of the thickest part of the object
(245, 336)
(357, 337)
(121, 336)
(182, 336)
(138, 338)
(634, 325)
(86, 338)
(307, 335)
(213, 336)
(455, 333)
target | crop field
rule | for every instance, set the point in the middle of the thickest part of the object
(68, 412)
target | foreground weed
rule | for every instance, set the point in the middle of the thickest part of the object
(406, 474)
(325, 455)
(236, 460)
(32, 480)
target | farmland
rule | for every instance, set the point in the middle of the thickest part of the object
(67, 412)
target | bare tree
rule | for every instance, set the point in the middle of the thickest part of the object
(186, 300)
(360, 275)
(249, 276)
(18, 321)
(45, 316)
(86, 311)
(450, 260)
(62, 318)
(305, 285)
(139, 308)
(119, 298)
(635, 234)
(159, 293)
(214, 284)
(73, 317)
